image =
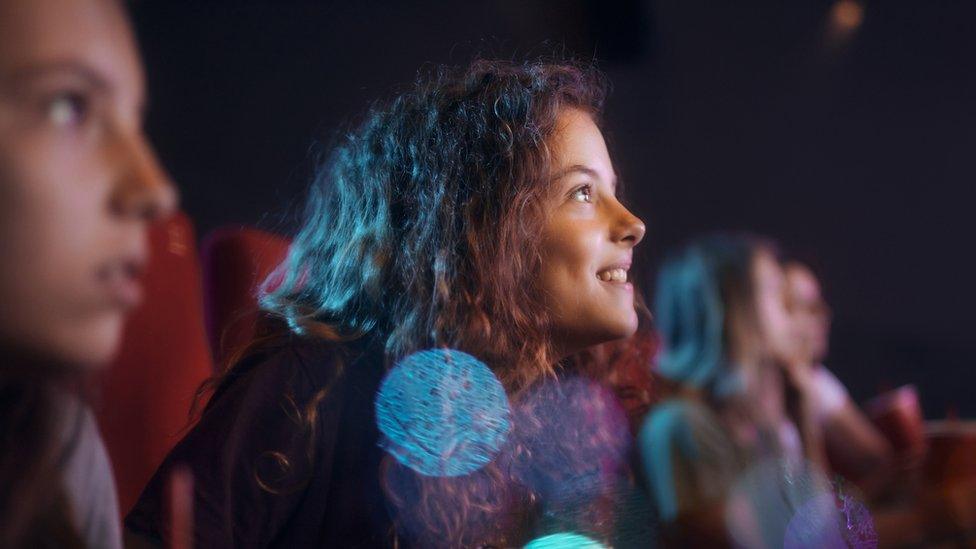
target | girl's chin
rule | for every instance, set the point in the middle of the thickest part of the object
(92, 348)
(621, 330)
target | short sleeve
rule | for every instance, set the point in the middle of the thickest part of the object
(88, 481)
(250, 456)
(831, 394)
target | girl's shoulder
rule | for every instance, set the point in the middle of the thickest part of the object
(302, 365)
(676, 413)
(683, 423)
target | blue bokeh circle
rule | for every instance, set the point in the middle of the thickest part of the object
(443, 413)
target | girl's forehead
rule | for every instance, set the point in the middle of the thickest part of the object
(52, 35)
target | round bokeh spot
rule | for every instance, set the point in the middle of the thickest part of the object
(815, 525)
(577, 436)
(442, 413)
(836, 518)
(564, 540)
(764, 499)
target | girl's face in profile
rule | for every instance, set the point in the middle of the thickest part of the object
(587, 240)
(774, 320)
(78, 181)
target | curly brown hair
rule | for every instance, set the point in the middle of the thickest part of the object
(423, 222)
(421, 231)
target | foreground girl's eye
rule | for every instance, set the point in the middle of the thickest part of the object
(67, 109)
(583, 194)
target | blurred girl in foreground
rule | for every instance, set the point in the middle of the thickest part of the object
(79, 185)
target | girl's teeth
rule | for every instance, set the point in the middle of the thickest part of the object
(615, 275)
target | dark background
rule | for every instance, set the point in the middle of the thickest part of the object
(855, 151)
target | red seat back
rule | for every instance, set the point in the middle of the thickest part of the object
(235, 263)
(147, 392)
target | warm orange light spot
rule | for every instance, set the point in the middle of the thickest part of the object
(847, 15)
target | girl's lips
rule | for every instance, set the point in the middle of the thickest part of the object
(121, 282)
(625, 286)
(125, 292)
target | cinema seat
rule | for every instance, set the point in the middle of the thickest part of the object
(235, 262)
(145, 396)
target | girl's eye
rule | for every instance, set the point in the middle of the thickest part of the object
(583, 194)
(67, 109)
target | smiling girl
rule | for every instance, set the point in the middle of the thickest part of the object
(475, 212)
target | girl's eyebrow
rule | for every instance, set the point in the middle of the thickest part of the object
(585, 170)
(91, 77)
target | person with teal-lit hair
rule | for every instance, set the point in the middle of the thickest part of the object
(716, 450)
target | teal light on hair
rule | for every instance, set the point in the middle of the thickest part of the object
(690, 316)
(660, 438)
(699, 290)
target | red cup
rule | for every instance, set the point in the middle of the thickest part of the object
(898, 415)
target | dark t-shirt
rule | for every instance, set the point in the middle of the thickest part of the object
(261, 478)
